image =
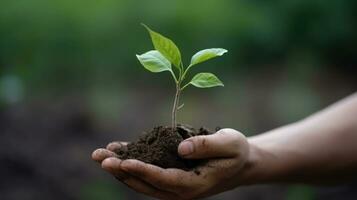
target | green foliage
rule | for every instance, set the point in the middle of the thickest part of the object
(206, 54)
(166, 52)
(62, 49)
(166, 46)
(205, 80)
(154, 61)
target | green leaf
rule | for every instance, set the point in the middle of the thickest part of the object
(206, 80)
(166, 47)
(154, 61)
(207, 54)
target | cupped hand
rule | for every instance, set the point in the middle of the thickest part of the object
(227, 152)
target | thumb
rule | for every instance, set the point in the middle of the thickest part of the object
(223, 143)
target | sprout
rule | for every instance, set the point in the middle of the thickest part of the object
(166, 53)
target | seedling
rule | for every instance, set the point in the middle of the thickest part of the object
(167, 53)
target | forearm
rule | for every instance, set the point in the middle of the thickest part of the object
(319, 148)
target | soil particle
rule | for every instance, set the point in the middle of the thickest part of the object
(159, 147)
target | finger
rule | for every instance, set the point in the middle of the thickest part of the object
(164, 179)
(224, 143)
(145, 188)
(112, 165)
(116, 146)
(100, 154)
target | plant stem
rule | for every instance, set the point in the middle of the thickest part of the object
(185, 86)
(185, 72)
(177, 96)
(174, 108)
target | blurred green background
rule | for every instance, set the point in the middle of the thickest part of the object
(70, 82)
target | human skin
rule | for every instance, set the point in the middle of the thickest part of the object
(321, 148)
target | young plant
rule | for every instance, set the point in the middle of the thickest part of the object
(167, 53)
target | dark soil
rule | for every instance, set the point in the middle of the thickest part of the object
(159, 147)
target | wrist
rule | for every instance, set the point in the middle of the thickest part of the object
(258, 168)
(270, 158)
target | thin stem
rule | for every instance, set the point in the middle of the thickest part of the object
(181, 71)
(185, 86)
(181, 106)
(184, 74)
(174, 108)
(177, 97)
(173, 75)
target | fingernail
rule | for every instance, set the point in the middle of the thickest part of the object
(185, 148)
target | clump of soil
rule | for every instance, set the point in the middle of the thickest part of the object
(159, 147)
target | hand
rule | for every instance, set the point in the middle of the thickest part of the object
(227, 152)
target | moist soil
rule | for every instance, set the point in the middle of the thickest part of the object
(159, 147)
